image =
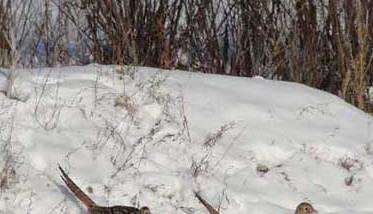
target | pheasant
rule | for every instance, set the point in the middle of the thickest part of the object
(305, 208)
(208, 206)
(302, 208)
(92, 207)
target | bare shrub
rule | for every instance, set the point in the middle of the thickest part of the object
(324, 44)
(300, 41)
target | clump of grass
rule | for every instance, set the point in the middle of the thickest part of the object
(350, 163)
(200, 166)
(349, 180)
(10, 158)
(7, 176)
(127, 103)
(212, 138)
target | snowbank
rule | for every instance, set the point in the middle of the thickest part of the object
(143, 136)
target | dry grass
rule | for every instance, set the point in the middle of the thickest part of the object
(212, 138)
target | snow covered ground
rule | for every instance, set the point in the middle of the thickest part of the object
(142, 136)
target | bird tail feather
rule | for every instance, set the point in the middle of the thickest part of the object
(208, 206)
(85, 199)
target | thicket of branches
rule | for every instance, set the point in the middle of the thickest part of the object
(327, 44)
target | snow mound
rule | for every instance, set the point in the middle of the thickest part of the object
(142, 136)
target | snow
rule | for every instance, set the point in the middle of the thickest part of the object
(152, 137)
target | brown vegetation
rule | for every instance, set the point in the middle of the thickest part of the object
(5, 45)
(324, 44)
